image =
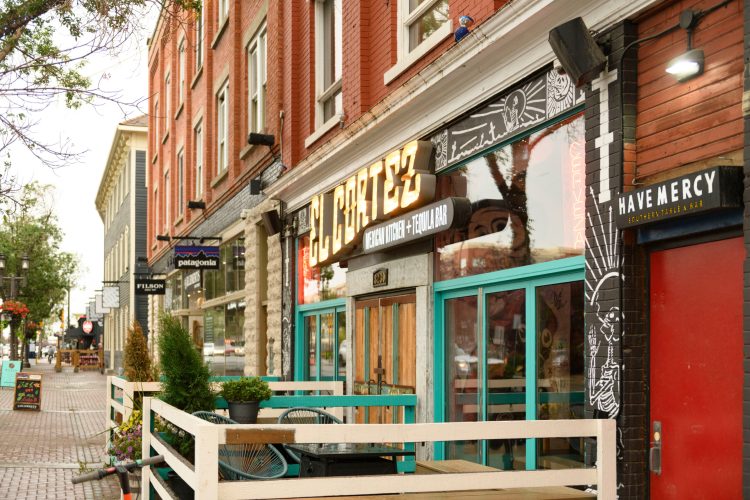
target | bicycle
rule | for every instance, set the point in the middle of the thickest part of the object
(122, 474)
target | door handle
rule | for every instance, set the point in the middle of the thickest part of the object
(654, 453)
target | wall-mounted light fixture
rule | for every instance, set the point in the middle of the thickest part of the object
(194, 204)
(255, 186)
(690, 64)
(256, 139)
(163, 237)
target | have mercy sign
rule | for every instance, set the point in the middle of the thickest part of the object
(717, 187)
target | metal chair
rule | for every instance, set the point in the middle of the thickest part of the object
(246, 461)
(301, 415)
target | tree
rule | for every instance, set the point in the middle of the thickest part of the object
(32, 231)
(44, 46)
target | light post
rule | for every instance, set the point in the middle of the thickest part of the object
(17, 281)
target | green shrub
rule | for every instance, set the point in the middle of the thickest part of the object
(246, 389)
(136, 358)
(185, 383)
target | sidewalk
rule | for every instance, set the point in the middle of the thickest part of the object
(41, 451)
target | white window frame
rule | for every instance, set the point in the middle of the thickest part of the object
(322, 93)
(257, 53)
(180, 181)
(157, 212)
(223, 11)
(406, 58)
(157, 124)
(198, 137)
(222, 129)
(181, 56)
(199, 34)
(167, 98)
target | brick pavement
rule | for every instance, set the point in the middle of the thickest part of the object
(40, 452)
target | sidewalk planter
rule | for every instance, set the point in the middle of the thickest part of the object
(244, 413)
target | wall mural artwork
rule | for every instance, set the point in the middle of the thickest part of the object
(603, 264)
(534, 102)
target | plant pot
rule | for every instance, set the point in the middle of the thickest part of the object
(244, 413)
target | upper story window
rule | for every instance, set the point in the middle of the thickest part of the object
(422, 24)
(167, 202)
(199, 39)
(180, 181)
(157, 124)
(181, 72)
(328, 60)
(198, 136)
(256, 81)
(223, 10)
(167, 98)
(222, 126)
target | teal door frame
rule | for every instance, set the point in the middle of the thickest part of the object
(527, 278)
(301, 342)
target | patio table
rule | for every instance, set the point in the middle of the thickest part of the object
(347, 459)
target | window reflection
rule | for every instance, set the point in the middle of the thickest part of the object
(316, 284)
(527, 200)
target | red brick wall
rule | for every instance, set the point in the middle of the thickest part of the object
(680, 123)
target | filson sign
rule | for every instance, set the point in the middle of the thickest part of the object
(149, 286)
(711, 189)
(417, 224)
(401, 181)
(196, 257)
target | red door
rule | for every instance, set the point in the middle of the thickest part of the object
(696, 369)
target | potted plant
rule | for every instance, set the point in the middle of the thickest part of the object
(244, 396)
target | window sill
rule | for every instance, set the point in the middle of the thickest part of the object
(196, 77)
(415, 55)
(220, 32)
(321, 131)
(166, 136)
(179, 110)
(246, 151)
(219, 178)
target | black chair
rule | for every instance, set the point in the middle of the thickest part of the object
(301, 415)
(246, 461)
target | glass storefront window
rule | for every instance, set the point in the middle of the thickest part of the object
(173, 293)
(325, 340)
(560, 343)
(527, 200)
(230, 276)
(224, 338)
(317, 284)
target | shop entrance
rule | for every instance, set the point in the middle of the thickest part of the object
(385, 351)
(696, 370)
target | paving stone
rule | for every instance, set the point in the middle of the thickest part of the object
(40, 452)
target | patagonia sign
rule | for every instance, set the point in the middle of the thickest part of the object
(196, 257)
(399, 182)
(149, 286)
(711, 189)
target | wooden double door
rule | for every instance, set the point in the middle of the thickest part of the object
(385, 351)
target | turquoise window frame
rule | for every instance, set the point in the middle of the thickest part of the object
(527, 278)
(302, 311)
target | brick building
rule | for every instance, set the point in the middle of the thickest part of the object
(453, 215)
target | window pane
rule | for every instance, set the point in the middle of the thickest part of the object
(214, 339)
(327, 346)
(428, 23)
(234, 341)
(332, 106)
(311, 332)
(527, 204)
(506, 372)
(560, 343)
(343, 344)
(462, 401)
(315, 284)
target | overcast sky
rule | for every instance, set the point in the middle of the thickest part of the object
(90, 129)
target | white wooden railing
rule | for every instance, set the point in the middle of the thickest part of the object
(121, 395)
(203, 476)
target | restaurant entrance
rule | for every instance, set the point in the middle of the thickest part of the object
(385, 351)
(696, 369)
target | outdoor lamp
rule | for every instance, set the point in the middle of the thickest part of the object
(2, 262)
(25, 263)
(194, 204)
(689, 64)
(256, 139)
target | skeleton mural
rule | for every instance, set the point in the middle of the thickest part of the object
(603, 273)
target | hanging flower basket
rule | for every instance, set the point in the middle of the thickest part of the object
(14, 308)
